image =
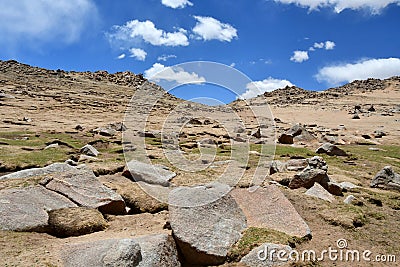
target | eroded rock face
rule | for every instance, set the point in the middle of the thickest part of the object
(107, 253)
(148, 173)
(86, 190)
(158, 250)
(53, 168)
(205, 233)
(25, 209)
(386, 178)
(267, 207)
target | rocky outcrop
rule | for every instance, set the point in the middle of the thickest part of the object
(152, 174)
(296, 133)
(267, 207)
(158, 250)
(386, 178)
(204, 233)
(84, 189)
(110, 253)
(315, 172)
(53, 168)
(25, 209)
(76, 221)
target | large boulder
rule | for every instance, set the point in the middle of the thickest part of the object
(267, 207)
(53, 168)
(261, 255)
(86, 190)
(205, 222)
(25, 209)
(158, 250)
(296, 133)
(107, 253)
(76, 221)
(330, 150)
(152, 174)
(386, 178)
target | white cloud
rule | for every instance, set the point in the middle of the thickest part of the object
(375, 6)
(134, 31)
(138, 53)
(299, 56)
(45, 20)
(208, 28)
(371, 68)
(173, 74)
(176, 3)
(122, 56)
(329, 45)
(319, 45)
(165, 57)
(259, 87)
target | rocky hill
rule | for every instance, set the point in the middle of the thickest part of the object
(102, 169)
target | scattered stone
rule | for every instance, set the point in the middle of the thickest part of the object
(379, 134)
(118, 126)
(195, 121)
(267, 207)
(330, 150)
(79, 127)
(371, 108)
(347, 186)
(366, 136)
(105, 131)
(349, 199)
(334, 188)
(205, 222)
(316, 171)
(319, 192)
(152, 174)
(53, 168)
(260, 256)
(384, 177)
(158, 250)
(76, 221)
(277, 166)
(87, 159)
(257, 133)
(296, 133)
(71, 162)
(355, 117)
(84, 188)
(51, 146)
(296, 164)
(25, 209)
(286, 139)
(89, 150)
(110, 253)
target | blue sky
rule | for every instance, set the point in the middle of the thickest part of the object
(313, 44)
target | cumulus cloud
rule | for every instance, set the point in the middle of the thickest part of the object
(208, 28)
(176, 3)
(372, 68)
(46, 20)
(329, 45)
(122, 56)
(138, 53)
(134, 31)
(173, 74)
(319, 45)
(259, 87)
(299, 56)
(375, 6)
(165, 57)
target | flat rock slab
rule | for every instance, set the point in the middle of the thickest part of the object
(267, 255)
(158, 250)
(152, 174)
(267, 207)
(86, 190)
(26, 209)
(107, 253)
(205, 233)
(53, 168)
(319, 192)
